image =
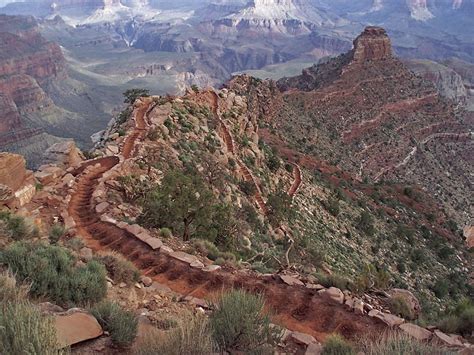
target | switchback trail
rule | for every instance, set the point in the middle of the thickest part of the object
(296, 307)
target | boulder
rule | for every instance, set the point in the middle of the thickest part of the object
(17, 185)
(211, 268)
(291, 281)
(409, 297)
(416, 331)
(13, 171)
(387, 318)
(314, 349)
(146, 281)
(358, 306)
(333, 294)
(302, 338)
(184, 257)
(447, 339)
(469, 235)
(75, 328)
(101, 207)
(154, 243)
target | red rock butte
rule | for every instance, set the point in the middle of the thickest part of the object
(372, 44)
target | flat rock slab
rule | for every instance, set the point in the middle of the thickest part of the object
(291, 281)
(184, 257)
(302, 338)
(154, 243)
(416, 331)
(447, 339)
(211, 268)
(75, 328)
(333, 294)
(390, 319)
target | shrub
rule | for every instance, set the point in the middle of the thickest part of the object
(56, 232)
(400, 307)
(75, 244)
(131, 95)
(191, 336)
(17, 227)
(461, 320)
(334, 280)
(366, 223)
(123, 117)
(332, 206)
(120, 323)
(119, 268)
(440, 288)
(52, 273)
(247, 187)
(239, 323)
(9, 290)
(23, 330)
(337, 345)
(400, 344)
(166, 232)
(206, 248)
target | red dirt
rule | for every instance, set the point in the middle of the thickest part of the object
(296, 307)
(138, 132)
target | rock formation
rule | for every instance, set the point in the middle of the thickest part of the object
(372, 44)
(17, 185)
(64, 154)
(28, 63)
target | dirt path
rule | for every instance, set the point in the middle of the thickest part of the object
(297, 308)
(297, 180)
(138, 132)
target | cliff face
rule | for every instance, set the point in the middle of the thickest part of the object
(27, 64)
(372, 44)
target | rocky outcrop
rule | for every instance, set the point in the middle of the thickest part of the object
(449, 83)
(64, 154)
(17, 185)
(372, 44)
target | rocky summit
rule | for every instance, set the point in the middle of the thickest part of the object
(327, 210)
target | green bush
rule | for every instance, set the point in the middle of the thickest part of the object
(24, 330)
(400, 307)
(460, 320)
(440, 288)
(337, 345)
(52, 273)
(56, 232)
(332, 206)
(131, 95)
(366, 223)
(397, 343)
(119, 268)
(17, 227)
(191, 336)
(166, 232)
(121, 324)
(334, 280)
(75, 244)
(240, 323)
(206, 248)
